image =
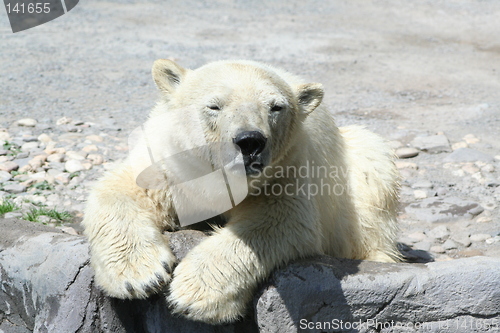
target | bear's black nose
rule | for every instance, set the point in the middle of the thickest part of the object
(251, 143)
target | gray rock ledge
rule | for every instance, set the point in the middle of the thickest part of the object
(47, 286)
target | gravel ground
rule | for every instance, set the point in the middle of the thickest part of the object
(425, 75)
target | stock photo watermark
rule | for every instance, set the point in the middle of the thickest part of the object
(336, 325)
(26, 14)
(206, 179)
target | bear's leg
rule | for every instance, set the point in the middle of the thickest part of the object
(218, 278)
(130, 256)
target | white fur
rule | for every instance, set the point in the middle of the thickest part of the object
(216, 280)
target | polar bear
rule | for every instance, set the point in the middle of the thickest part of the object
(313, 188)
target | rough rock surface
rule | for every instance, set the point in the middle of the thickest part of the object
(47, 286)
(454, 296)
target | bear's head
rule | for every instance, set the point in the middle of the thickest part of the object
(253, 106)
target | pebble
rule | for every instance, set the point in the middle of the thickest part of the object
(440, 232)
(39, 176)
(5, 176)
(74, 155)
(57, 157)
(437, 249)
(488, 168)
(483, 219)
(44, 138)
(461, 238)
(470, 168)
(471, 139)
(424, 246)
(62, 178)
(9, 166)
(417, 236)
(22, 155)
(423, 184)
(96, 159)
(492, 240)
(458, 145)
(14, 188)
(68, 230)
(90, 148)
(406, 165)
(44, 219)
(27, 122)
(73, 166)
(441, 191)
(449, 245)
(468, 155)
(479, 237)
(95, 138)
(420, 194)
(443, 209)
(406, 152)
(63, 121)
(470, 253)
(432, 144)
(11, 215)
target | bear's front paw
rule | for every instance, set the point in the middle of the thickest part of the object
(135, 272)
(203, 293)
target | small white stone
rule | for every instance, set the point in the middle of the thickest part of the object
(483, 219)
(471, 139)
(460, 144)
(90, 148)
(424, 246)
(437, 249)
(439, 232)
(38, 199)
(96, 159)
(62, 178)
(87, 164)
(9, 166)
(74, 155)
(27, 122)
(63, 121)
(479, 237)
(470, 168)
(488, 168)
(44, 138)
(69, 230)
(35, 163)
(406, 152)
(492, 240)
(56, 158)
(39, 176)
(418, 236)
(10, 215)
(14, 188)
(420, 194)
(44, 219)
(73, 166)
(4, 136)
(5, 176)
(406, 165)
(95, 138)
(449, 245)
(29, 146)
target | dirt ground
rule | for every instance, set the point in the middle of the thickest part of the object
(402, 68)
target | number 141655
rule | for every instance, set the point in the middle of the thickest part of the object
(21, 8)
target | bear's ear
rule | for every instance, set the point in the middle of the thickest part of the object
(167, 75)
(309, 96)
